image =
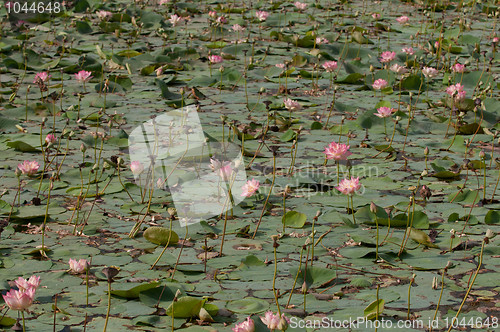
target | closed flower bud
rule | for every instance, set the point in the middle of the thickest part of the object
(490, 234)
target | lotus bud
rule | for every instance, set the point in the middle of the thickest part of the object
(373, 207)
(490, 234)
(426, 151)
(434, 283)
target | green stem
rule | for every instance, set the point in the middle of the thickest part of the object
(470, 286)
(109, 307)
(274, 281)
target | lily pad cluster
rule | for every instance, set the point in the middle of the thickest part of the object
(409, 88)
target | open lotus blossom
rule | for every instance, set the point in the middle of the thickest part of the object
(330, 66)
(136, 167)
(376, 16)
(212, 14)
(223, 169)
(403, 19)
(349, 187)
(215, 58)
(387, 56)
(384, 112)
(292, 105)
(274, 321)
(78, 266)
(19, 299)
(408, 50)
(237, 28)
(221, 20)
(104, 14)
(250, 188)
(41, 77)
(280, 65)
(28, 167)
(398, 69)
(23, 284)
(321, 40)
(261, 15)
(337, 151)
(246, 326)
(83, 76)
(430, 72)
(175, 19)
(300, 5)
(379, 84)
(458, 68)
(50, 139)
(456, 91)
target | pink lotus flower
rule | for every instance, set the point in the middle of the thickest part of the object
(212, 14)
(403, 19)
(250, 188)
(300, 5)
(337, 151)
(376, 16)
(237, 28)
(136, 167)
(436, 44)
(280, 65)
(246, 326)
(23, 284)
(41, 77)
(104, 14)
(456, 91)
(159, 71)
(221, 20)
(50, 139)
(261, 15)
(83, 76)
(330, 66)
(223, 169)
(175, 19)
(321, 40)
(495, 40)
(458, 68)
(292, 105)
(78, 266)
(384, 112)
(387, 56)
(164, 2)
(408, 50)
(398, 69)
(430, 72)
(349, 187)
(19, 300)
(274, 321)
(160, 183)
(215, 58)
(379, 84)
(28, 167)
